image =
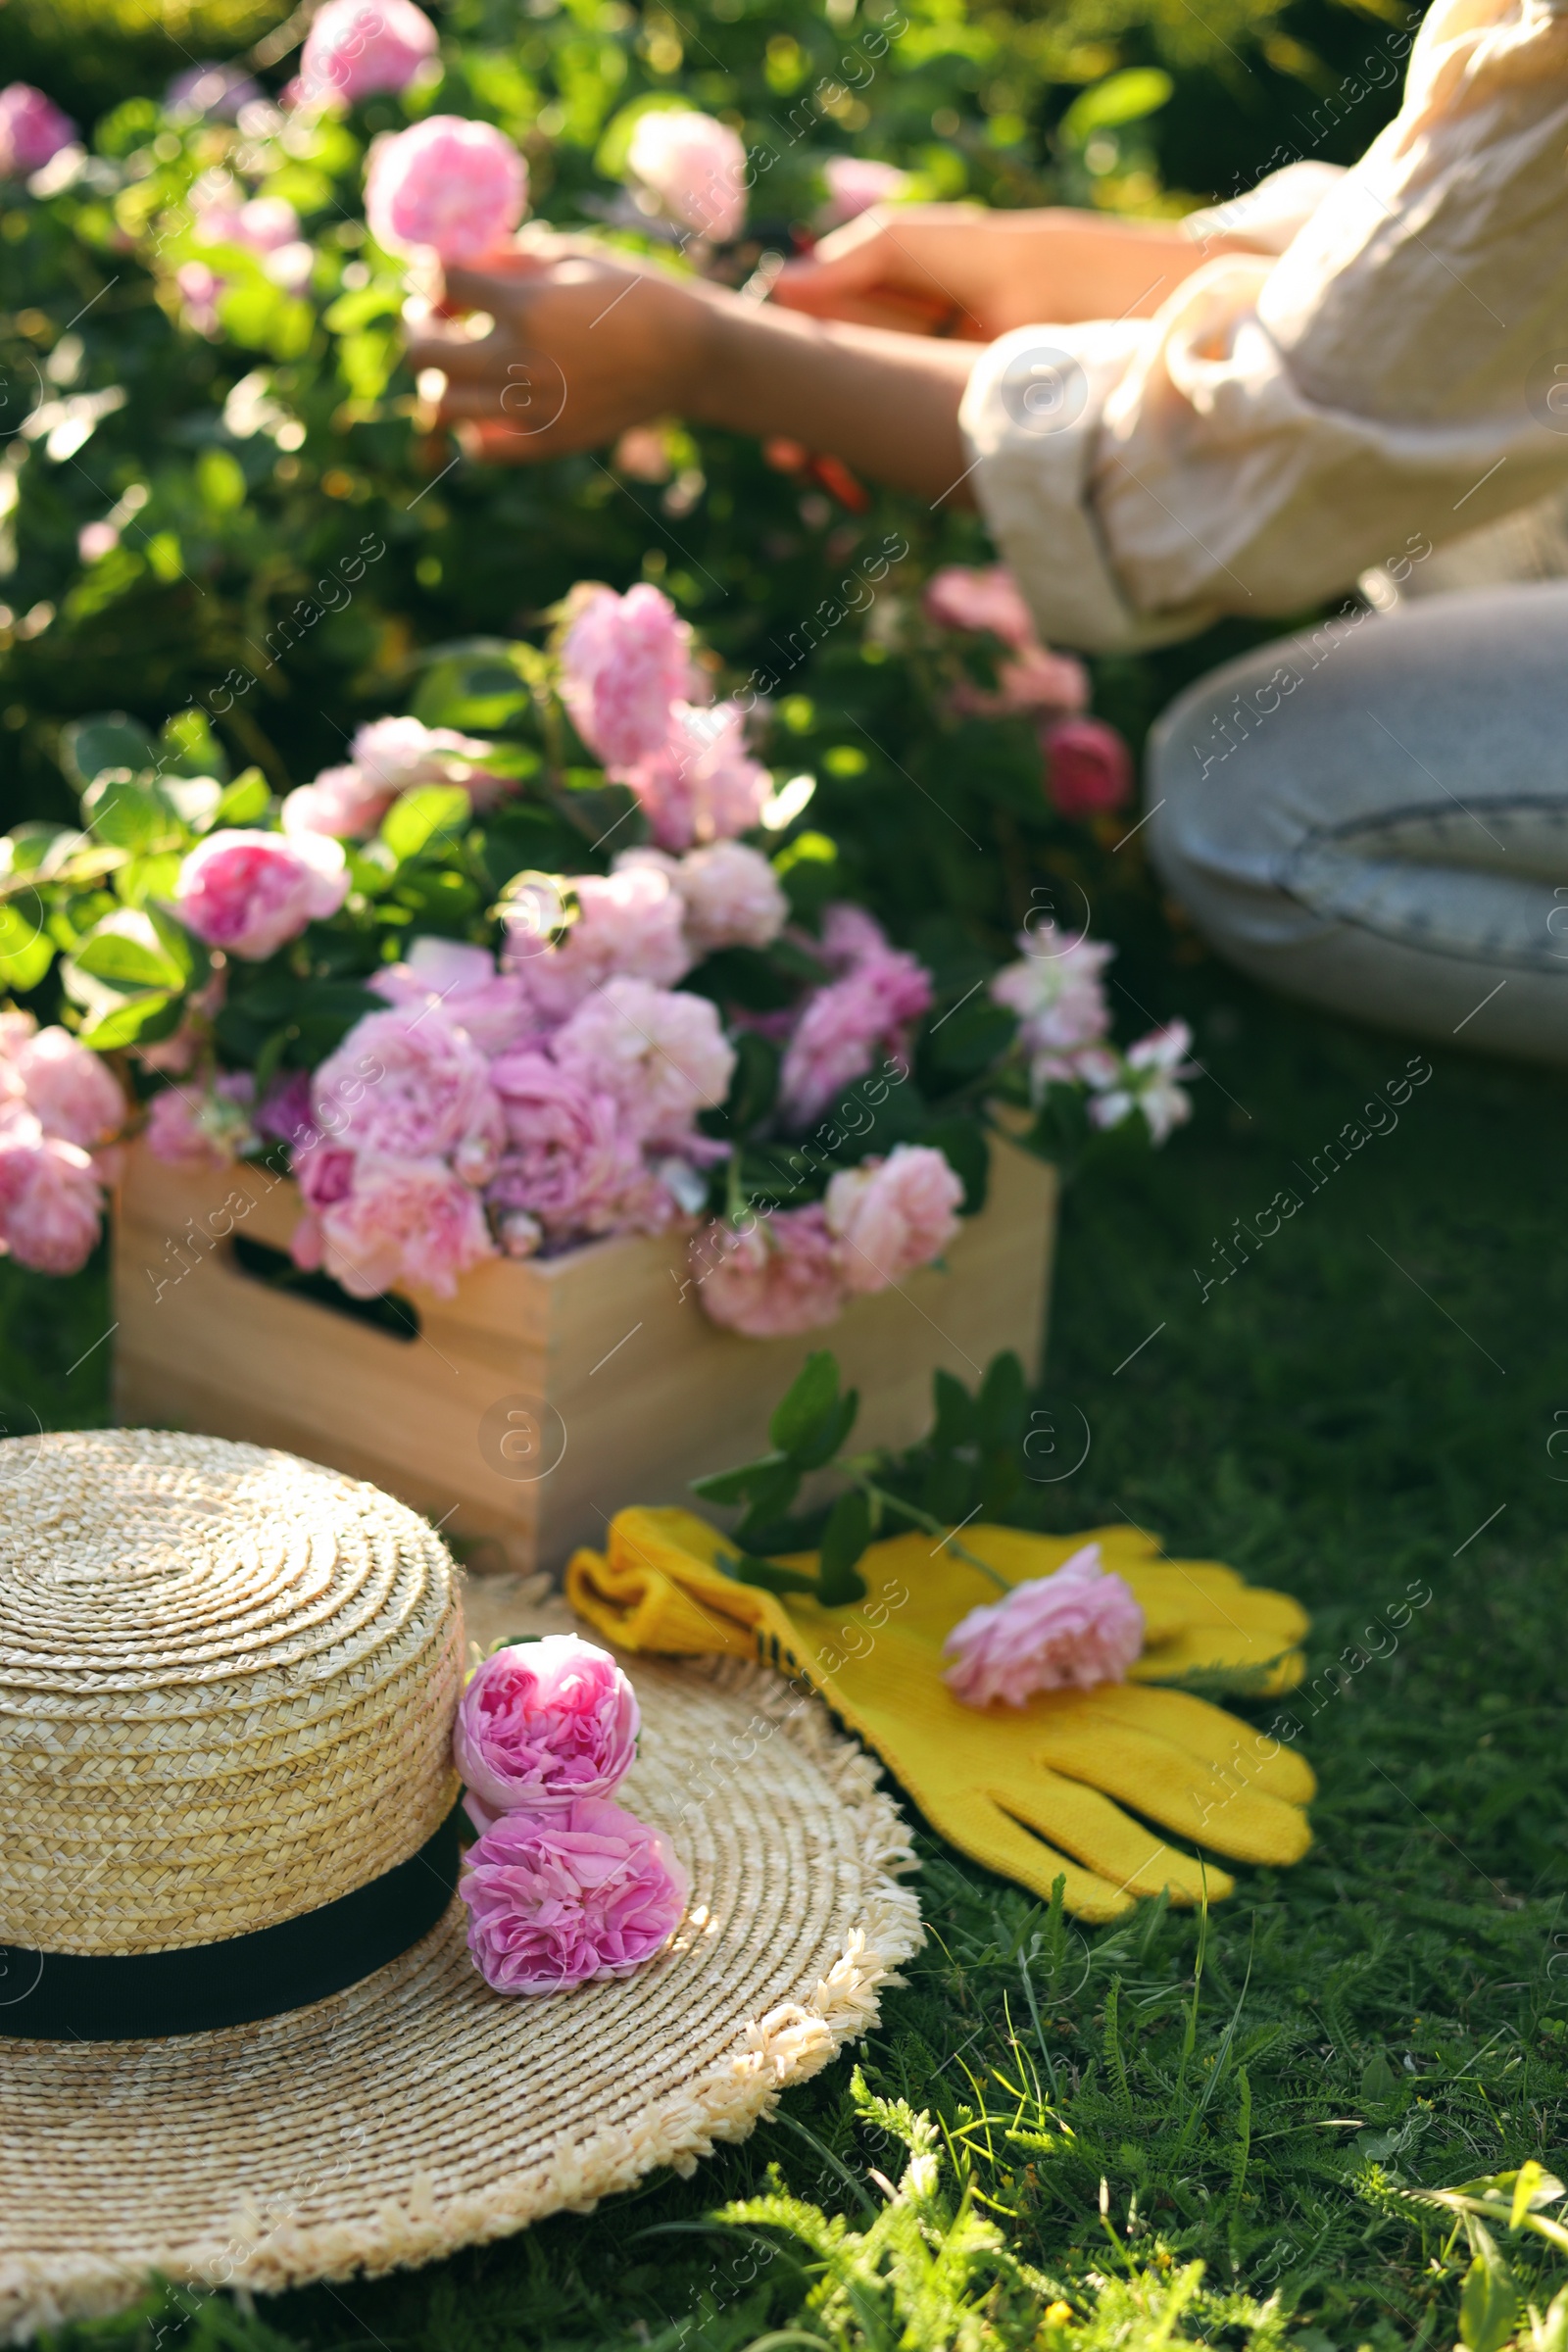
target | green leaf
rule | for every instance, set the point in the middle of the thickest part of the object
(125, 814)
(732, 1486)
(826, 1440)
(771, 1492)
(1488, 2298)
(1003, 1406)
(1378, 2084)
(244, 802)
(955, 1422)
(87, 745)
(125, 950)
(147, 1017)
(27, 847)
(753, 1088)
(844, 1539)
(475, 686)
(971, 1038)
(25, 949)
(189, 748)
(962, 1143)
(1125, 97)
(426, 821)
(807, 1403)
(141, 879)
(195, 799)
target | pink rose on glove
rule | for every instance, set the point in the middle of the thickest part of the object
(453, 187)
(543, 1724)
(891, 1215)
(32, 131)
(563, 1899)
(1066, 1632)
(357, 47)
(250, 893)
(625, 659)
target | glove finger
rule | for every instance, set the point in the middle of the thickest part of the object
(976, 1823)
(1179, 1791)
(1206, 1732)
(1261, 1665)
(1123, 1850)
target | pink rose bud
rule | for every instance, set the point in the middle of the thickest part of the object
(448, 186)
(694, 168)
(1066, 1632)
(32, 129)
(357, 47)
(1091, 769)
(249, 892)
(558, 1899)
(541, 1724)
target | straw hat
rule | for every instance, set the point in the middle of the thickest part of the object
(226, 1686)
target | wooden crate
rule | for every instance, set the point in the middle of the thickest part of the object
(543, 1398)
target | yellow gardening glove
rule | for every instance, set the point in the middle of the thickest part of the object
(1001, 1782)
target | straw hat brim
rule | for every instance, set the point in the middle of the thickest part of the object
(419, 2112)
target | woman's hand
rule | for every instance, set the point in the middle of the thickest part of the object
(583, 343)
(958, 271)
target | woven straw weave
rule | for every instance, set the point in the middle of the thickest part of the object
(215, 1663)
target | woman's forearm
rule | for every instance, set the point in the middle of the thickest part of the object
(887, 404)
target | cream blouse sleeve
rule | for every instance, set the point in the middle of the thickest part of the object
(1398, 375)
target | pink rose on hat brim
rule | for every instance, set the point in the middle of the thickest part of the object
(250, 893)
(543, 1724)
(448, 186)
(558, 1899)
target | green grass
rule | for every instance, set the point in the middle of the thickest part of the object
(1340, 1418)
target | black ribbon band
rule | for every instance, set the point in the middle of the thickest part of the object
(136, 1997)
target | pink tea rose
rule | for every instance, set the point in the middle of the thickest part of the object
(630, 924)
(849, 936)
(1146, 1080)
(561, 1898)
(854, 183)
(732, 897)
(51, 1197)
(662, 1056)
(262, 225)
(448, 186)
(541, 1724)
(846, 1025)
(342, 804)
(32, 131)
(891, 1215)
(1030, 684)
(694, 168)
(283, 1114)
(570, 1162)
(69, 1090)
(960, 598)
(210, 1128)
(1069, 1631)
(1060, 1001)
(396, 753)
(408, 1220)
(624, 662)
(1089, 768)
(250, 893)
(357, 47)
(491, 1008)
(779, 1278)
(411, 1086)
(702, 784)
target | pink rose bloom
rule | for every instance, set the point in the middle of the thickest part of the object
(849, 936)
(732, 897)
(1146, 1080)
(410, 1086)
(357, 47)
(1065, 1632)
(1029, 684)
(283, 1113)
(408, 1220)
(250, 893)
(51, 1198)
(662, 1057)
(630, 924)
(69, 1090)
(95, 540)
(959, 598)
(32, 131)
(342, 804)
(855, 183)
(491, 1008)
(542, 1725)
(563, 1899)
(777, 1280)
(844, 1027)
(207, 1128)
(570, 1165)
(1089, 768)
(624, 660)
(702, 784)
(263, 224)
(1060, 1001)
(448, 186)
(695, 167)
(200, 289)
(396, 753)
(891, 1215)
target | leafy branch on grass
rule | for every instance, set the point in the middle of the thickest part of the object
(809, 1428)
